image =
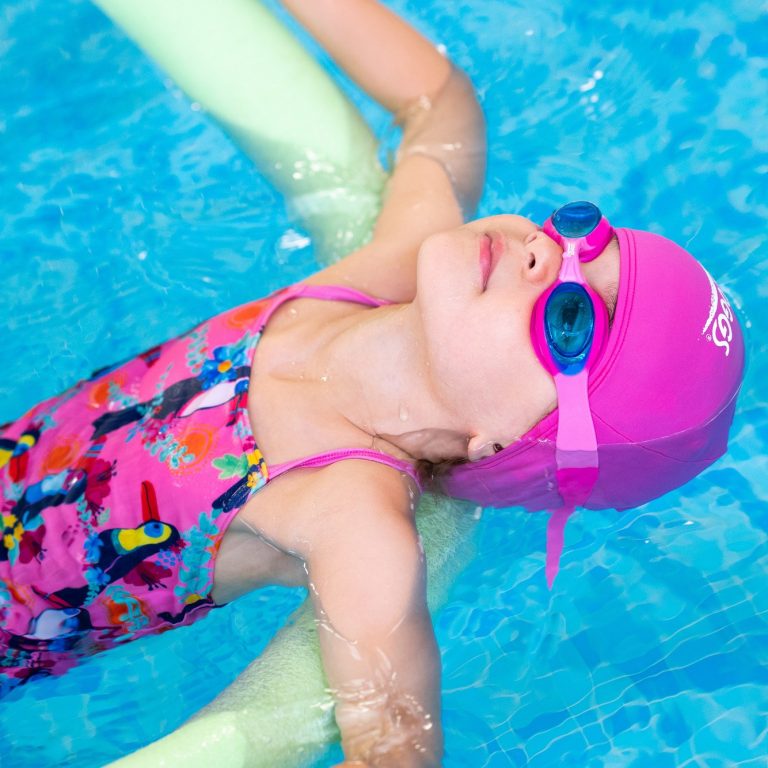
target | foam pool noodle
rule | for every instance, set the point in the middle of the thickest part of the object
(248, 71)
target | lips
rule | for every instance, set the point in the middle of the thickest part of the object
(491, 249)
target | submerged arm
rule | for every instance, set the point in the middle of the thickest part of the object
(367, 584)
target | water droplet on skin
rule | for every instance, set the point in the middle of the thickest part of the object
(324, 378)
(403, 413)
(293, 311)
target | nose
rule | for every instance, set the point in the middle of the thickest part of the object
(543, 258)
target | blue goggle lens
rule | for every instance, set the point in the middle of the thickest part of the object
(576, 219)
(569, 326)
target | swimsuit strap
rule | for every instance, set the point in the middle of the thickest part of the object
(334, 293)
(329, 457)
(323, 292)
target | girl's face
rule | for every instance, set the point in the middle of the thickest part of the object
(476, 289)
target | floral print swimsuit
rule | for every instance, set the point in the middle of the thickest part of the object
(116, 494)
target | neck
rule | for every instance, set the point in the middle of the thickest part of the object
(374, 373)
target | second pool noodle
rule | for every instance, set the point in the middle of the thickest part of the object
(250, 73)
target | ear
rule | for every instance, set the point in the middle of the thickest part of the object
(480, 446)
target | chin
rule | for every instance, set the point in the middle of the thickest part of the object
(450, 258)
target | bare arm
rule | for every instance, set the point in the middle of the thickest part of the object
(441, 163)
(378, 647)
(367, 584)
(383, 54)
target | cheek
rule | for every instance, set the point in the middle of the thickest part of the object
(480, 351)
(440, 261)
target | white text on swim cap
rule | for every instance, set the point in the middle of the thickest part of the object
(719, 325)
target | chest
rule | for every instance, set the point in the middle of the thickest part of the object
(289, 420)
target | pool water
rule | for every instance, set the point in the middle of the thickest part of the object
(123, 206)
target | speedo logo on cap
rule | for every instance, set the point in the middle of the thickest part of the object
(719, 326)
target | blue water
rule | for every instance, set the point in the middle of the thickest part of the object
(127, 215)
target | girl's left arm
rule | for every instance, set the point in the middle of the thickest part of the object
(440, 167)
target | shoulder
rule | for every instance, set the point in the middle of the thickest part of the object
(420, 202)
(384, 268)
(350, 498)
(361, 482)
(365, 562)
(362, 488)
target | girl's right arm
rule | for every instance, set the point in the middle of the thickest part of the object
(441, 163)
(368, 586)
(367, 583)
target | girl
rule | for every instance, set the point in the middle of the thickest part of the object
(441, 353)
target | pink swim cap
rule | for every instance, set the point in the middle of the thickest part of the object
(662, 395)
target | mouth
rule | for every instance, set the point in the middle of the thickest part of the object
(491, 250)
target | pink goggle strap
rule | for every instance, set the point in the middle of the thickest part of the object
(576, 440)
(577, 462)
(575, 428)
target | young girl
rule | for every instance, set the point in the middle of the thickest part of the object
(299, 429)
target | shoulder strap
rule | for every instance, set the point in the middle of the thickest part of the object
(323, 292)
(331, 457)
(334, 293)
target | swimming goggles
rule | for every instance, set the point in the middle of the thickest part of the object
(569, 328)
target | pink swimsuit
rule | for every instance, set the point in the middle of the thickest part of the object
(117, 493)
